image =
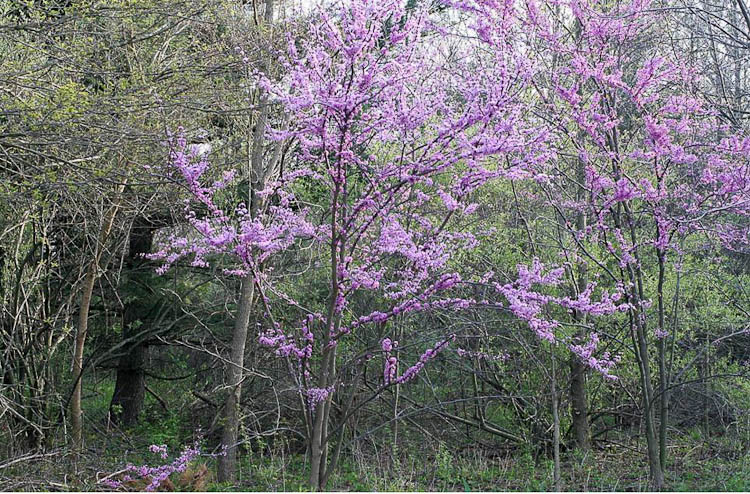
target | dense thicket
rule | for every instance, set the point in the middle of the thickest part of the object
(305, 242)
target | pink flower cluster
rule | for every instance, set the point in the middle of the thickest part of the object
(389, 372)
(250, 240)
(316, 395)
(391, 363)
(158, 474)
(529, 305)
(586, 352)
(667, 161)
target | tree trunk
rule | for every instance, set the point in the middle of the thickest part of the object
(76, 412)
(319, 473)
(656, 473)
(663, 373)
(624, 220)
(316, 448)
(579, 404)
(227, 471)
(578, 399)
(555, 428)
(130, 385)
(259, 172)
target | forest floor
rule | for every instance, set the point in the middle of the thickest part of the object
(712, 465)
(450, 460)
(697, 464)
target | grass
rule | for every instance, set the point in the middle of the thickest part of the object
(713, 465)
(717, 465)
(697, 463)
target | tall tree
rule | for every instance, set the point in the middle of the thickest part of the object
(263, 168)
(629, 111)
(87, 289)
(394, 168)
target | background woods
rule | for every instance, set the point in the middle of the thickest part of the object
(365, 245)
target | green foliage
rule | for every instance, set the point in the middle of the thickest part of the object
(167, 430)
(87, 97)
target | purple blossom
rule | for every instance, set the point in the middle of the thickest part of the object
(156, 475)
(412, 371)
(603, 364)
(161, 450)
(316, 395)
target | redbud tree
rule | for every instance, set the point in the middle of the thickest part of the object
(396, 121)
(387, 122)
(643, 170)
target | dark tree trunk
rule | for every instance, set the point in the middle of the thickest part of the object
(130, 386)
(579, 404)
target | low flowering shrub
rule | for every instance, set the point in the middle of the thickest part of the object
(182, 473)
